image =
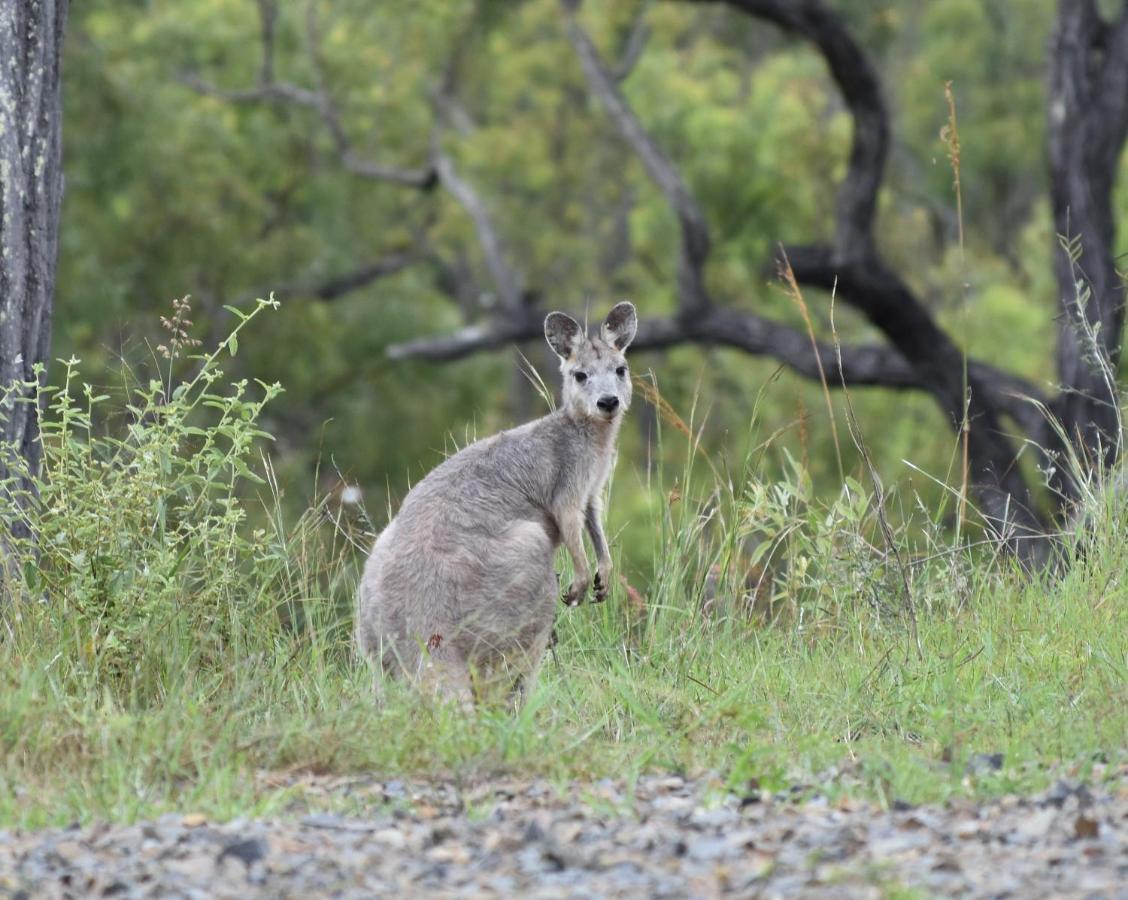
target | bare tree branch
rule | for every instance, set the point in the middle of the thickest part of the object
(268, 16)
(335, 286)
(467, 341)
(320, 100)
(692, 293)
(505, 279)
(862, 364)
(635, 44)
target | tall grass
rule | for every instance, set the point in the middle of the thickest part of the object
(175, 642)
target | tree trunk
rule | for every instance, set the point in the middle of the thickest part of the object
(31, 188)
(1087, 125)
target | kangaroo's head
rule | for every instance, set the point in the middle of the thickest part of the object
(597, 382)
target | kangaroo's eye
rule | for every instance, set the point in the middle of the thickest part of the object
(621, 371)
(580, 377)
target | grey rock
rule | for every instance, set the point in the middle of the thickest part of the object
(672, 837)
(709, 849)
(247, 851)
(981, 763)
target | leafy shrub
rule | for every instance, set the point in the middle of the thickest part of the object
(141, 528)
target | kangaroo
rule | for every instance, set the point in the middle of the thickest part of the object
(460, 590)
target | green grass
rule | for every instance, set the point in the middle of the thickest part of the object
(174, 643)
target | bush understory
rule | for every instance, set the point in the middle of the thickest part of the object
(173, 640)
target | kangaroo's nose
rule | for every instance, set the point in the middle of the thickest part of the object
(608, 403)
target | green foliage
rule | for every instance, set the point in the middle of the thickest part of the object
(171, 191)
(141, 531)
(176, 638)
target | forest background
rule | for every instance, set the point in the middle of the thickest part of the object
(175, 185)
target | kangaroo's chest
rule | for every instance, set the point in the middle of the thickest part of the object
(584, 466)
(601, 471)
(598, 471)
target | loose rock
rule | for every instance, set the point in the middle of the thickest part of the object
(664, 837)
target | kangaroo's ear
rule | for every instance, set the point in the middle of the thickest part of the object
(563, 333)
(620, 326)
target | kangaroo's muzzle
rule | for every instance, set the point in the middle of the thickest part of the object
(608, 403)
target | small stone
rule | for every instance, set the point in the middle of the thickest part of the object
(1034, 826)
(1065, 789)
(1085, 828)
(455, 854)
(196, 867)
(284, 845)
(336, 823)
(982, 763)
(967, 829)
(247, 851)
(567, 832)
(708, 849)
(946, 864)
(534, 834)
(391, 837)
(395, 789)
(194, 820)
(713, 818)
(69, 850)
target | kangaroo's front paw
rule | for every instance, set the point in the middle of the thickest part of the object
(602, 586)
(576, 593)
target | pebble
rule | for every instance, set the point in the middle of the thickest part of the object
(665, 836)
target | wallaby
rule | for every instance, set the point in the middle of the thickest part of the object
(460, 590)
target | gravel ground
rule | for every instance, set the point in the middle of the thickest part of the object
(670, 837)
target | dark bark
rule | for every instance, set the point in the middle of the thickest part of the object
(31, 189)
(1087, 125)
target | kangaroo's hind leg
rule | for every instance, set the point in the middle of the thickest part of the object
(528, 669)
(515, 606)
(540, 635)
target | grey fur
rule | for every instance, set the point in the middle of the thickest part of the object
(461, 586)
